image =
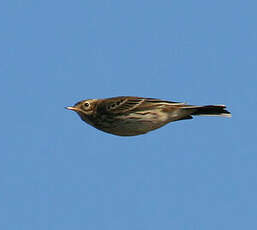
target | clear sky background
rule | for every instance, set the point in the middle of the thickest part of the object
(56, 172)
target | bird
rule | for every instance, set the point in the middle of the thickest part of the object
(132, 116)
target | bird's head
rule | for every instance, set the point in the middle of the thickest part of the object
(84, 108)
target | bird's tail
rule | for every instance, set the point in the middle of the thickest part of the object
(207, 110)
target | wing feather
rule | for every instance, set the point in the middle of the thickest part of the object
(125, 104)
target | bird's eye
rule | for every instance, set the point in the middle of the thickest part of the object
(86, 104)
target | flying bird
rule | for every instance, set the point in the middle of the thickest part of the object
(131, 116)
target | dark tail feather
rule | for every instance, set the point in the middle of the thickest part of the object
(209, 110)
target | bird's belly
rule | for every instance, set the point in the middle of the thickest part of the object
(136, 124)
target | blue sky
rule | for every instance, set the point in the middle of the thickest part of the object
(59, 173)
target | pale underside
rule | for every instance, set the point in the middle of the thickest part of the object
(139, 123)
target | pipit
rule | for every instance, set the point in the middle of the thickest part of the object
(131, 116)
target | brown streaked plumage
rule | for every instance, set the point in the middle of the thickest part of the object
(131, 116)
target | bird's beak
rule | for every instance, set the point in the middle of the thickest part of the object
(72, 108)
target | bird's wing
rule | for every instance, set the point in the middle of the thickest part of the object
(125, 104)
